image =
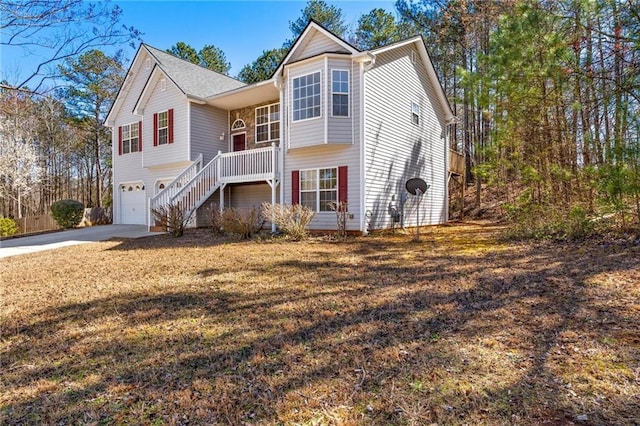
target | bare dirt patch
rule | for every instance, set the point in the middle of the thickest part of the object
(460, 328)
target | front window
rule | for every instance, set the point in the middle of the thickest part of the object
(268, 123)
(163, 128)
(340, 93)
(306, 97)
(319, 188)
(130, 138)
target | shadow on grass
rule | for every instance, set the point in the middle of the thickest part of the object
(376, 332)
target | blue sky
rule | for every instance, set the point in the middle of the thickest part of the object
(242, 29)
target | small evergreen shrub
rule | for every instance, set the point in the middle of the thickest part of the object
(539, 221)
(293, 220)
(8, 227)
(67, 213)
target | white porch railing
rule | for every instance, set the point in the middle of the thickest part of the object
(232, 167)
(163, 197)
(197, 190)
(250, 165)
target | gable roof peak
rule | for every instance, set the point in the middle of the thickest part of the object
(192, 79)
(313, 25)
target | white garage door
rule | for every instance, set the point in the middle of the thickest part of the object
(133, 204)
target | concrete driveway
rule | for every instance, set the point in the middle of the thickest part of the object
(24, 245)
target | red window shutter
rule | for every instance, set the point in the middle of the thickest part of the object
(140, 136)
(155, 129)
(342, 184)
(295, 187)
(170, 114)
(120, 140)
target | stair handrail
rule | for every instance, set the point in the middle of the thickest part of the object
(197, 164)
(211, 165)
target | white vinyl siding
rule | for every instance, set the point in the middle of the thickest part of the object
(327, 129)
(127, 168)
(315, 154)
(170, 153)
(396, 149)
(208, 124)
(325, 157)
(317, 43)
(148, 179)
(341, 129)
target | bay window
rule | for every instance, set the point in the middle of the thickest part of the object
(306, 97)
(340, 93)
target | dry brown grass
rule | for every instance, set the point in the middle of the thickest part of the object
(457, 329)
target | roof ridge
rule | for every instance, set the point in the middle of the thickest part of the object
(149, 47)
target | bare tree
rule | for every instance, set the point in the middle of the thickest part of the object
(62, 29)
(20, 171)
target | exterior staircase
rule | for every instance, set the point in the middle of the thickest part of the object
(193, 187)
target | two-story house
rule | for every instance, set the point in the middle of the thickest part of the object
(332, 124)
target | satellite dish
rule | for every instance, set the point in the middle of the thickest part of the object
(416, 186)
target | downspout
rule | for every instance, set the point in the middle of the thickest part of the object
(363, 144)
(372, 62)
(279, 84)
(325, 107)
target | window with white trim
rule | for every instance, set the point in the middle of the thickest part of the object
(340, 93)
(130, 138)
(238, 124)
(415, 113)
(268, 123)
(163, 128)
(318, 188)
(306, 97)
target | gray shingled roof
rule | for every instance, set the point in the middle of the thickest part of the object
(193, 79)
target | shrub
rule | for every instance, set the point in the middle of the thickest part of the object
(8, 227)
(290, 219)
(539, 221)
(244, 223)
(67, 213)
(172, 218)
(216, 220)
(578, 224)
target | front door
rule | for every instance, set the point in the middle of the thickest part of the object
(239, 142)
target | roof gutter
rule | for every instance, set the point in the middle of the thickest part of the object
(366, 56)
(196, 99)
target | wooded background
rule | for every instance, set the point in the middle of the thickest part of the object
(546, 94)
